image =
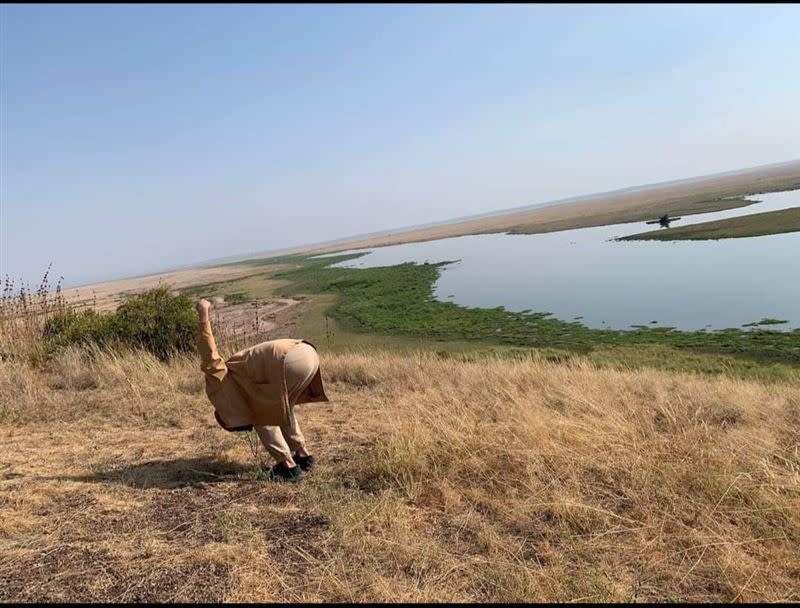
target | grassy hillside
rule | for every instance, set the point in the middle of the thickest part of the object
(757, 224)
(438, 480)
(455, 464)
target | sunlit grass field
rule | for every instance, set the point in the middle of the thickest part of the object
(451, 467)
(439, 480)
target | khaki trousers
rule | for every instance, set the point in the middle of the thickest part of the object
(300, 365)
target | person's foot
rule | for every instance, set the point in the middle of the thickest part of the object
(283, 472)
(306, 463)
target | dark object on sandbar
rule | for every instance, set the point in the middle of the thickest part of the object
(664, 220)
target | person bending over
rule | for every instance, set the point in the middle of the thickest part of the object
(258, 387)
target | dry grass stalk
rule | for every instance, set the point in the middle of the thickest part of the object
(23, 312)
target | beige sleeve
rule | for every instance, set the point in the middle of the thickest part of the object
(211, 363)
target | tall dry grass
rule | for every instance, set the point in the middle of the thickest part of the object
(438, 480)
(23, 313)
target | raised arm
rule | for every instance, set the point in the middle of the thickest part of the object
(211, 363)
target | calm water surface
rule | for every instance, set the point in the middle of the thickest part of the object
(584, 274)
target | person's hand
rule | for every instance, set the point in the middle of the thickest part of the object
(202, 307)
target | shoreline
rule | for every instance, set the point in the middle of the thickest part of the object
(685, 197)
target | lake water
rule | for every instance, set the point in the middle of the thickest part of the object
(585, 275)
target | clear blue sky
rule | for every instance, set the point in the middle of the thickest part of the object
(138, 138)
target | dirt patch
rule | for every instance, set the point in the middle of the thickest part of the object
(238, 325)
(76, 573)
(59, 574)
(258, 316)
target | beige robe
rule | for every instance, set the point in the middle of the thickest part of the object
(250, 387)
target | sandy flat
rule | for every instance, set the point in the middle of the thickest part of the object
(251, 321)
(109, 294)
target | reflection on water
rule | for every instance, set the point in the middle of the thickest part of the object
(605, 283)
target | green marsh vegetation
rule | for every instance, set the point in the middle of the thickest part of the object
(394, 306)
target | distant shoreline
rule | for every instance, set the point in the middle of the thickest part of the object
(685, 197)
(793, 168)
(637, 203)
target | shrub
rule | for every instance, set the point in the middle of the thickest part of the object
(77, 327)
(158, 321)
(155, 320)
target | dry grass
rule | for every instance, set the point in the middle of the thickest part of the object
(438, 480)
(23, 312)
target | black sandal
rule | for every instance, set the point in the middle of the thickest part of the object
(282, 472)
(306, 463)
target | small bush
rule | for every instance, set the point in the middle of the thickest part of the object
(154, 320)
(158, 321)
(77, 327)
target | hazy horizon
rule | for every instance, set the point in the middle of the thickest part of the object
(135, 139)
(400, 229)
(560, 201)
